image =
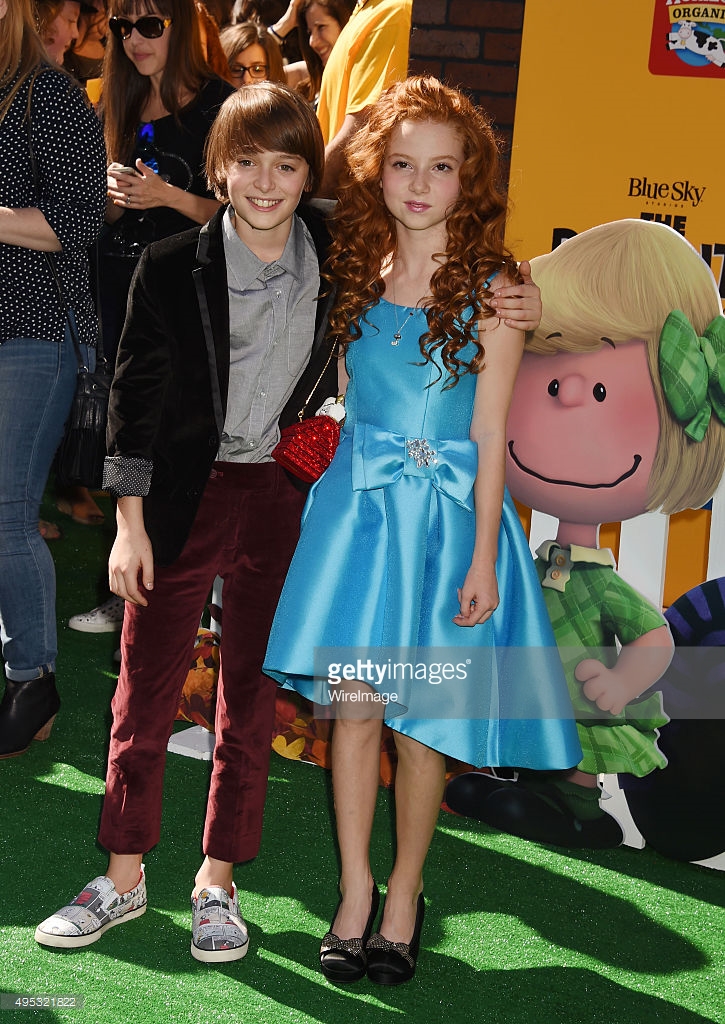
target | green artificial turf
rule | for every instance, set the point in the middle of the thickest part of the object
(514, 932)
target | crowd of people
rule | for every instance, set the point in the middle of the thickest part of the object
(233, 303)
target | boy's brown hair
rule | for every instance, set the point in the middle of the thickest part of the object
(263, 116)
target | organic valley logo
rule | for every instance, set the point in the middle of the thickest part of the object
(688, 39)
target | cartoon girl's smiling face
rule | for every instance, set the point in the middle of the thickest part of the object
(582, 433)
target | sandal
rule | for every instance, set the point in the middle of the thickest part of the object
(81, 507)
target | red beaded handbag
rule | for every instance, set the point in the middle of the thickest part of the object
(306, 448)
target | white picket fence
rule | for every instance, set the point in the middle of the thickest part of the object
(643, 546)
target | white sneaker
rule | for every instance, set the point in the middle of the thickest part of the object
(86, 918)
(106, 618)
(218, 931)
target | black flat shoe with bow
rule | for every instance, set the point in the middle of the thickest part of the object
(392, 963)
(344, 960)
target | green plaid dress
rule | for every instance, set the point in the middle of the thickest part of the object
(589, 606)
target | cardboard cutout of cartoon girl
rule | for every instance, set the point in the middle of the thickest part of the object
(618, 409)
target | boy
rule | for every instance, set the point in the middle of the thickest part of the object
(223, 343)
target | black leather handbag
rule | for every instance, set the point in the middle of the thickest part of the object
(79, 459)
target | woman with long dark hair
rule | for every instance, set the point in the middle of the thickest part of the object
(160, 98)
(52, 189)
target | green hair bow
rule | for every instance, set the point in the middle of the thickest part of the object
(692, 371)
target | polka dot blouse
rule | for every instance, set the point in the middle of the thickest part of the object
(70, 156)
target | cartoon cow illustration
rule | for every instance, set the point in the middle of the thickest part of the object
(689, 37)
(678, 40)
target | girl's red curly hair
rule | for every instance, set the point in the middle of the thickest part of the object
(364, 234)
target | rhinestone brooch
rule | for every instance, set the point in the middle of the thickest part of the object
(421, 451)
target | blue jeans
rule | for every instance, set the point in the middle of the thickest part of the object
(37, 383)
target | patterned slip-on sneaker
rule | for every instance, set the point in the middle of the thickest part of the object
(218, 932)
(86, 918)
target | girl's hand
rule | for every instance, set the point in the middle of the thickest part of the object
(519, 305)
(131, 558)
(141, 191)
(478, 596)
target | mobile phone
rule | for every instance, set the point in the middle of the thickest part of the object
(119, 169)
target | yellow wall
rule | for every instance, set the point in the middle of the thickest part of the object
(604, 110)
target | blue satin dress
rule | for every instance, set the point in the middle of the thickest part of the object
(387, 538)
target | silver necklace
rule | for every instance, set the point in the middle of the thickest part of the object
(399, 328)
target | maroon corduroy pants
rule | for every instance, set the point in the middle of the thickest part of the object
(245, 531)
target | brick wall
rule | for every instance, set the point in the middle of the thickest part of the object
(475, 45)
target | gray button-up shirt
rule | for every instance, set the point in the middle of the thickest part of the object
(271, 326)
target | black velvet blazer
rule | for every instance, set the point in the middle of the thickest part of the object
(169, 394)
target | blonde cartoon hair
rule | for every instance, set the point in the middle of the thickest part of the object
(620, 281)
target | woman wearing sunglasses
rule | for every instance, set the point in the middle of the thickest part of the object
(159, 101)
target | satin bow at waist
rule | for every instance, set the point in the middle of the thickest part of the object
(380, 457)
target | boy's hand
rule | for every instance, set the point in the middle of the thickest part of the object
(519, 305)
(131, 563)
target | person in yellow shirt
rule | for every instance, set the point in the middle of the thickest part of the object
(370, 54)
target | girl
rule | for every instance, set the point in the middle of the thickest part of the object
(251, 55)
(410, 540)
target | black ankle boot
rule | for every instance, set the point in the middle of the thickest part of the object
(27, 712)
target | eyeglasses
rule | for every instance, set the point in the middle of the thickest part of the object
(255, 70)
(150, 27)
